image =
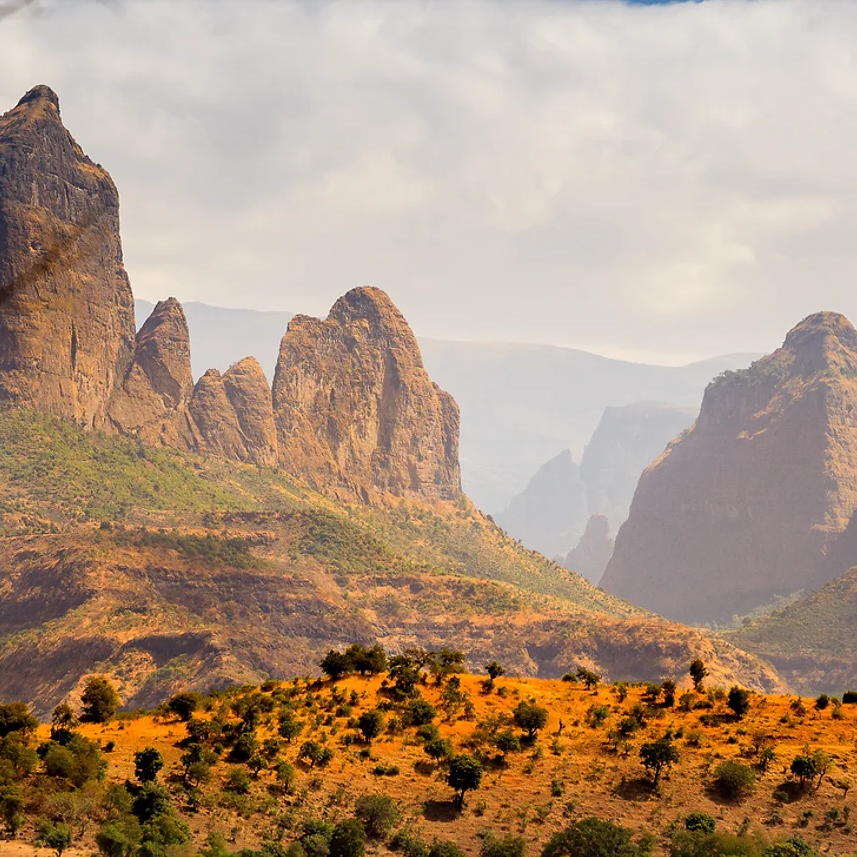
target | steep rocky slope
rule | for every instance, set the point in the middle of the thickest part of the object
(355, 409)
(745, 506)
(66, 309)
(550, 514)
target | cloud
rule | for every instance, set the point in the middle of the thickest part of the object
(669, 181)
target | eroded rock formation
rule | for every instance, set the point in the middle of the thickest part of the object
(66, 308)
(744, 507)
(355, 409)
(593, 551)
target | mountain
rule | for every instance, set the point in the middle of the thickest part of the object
(66, 308)
(746, 506)
(593, 551)
(550, 514)
(521, 405)
(168, 533)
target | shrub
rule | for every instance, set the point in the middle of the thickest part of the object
(420, 712)
(593, 837)
(100, 700)
(184, 704)
(378, 814)
(238, 782)
(444, 848)
(849, 697)
(738, 700)
(502, 846)
(348, 839)
(244, 748)
(119, 837)
(507, 742)
(822, 702)
(16, 717)
(56, 835)
(699, 822)
(439, 749)
(596, 715)
(734, 781)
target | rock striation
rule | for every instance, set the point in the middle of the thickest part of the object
(593, 551)
(746, 505)
(356, 411)
(66, 308)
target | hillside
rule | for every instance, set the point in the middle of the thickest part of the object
(167, 570)
(812, 641)
(252, 788)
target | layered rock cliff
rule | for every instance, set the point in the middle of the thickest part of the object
(66, 308)
(356, 411)
(745, 506)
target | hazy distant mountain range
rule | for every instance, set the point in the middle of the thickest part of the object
(520, 404)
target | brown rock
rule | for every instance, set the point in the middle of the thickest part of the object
(159, 379)
(66, 309)
(249, 393)
(593, 551)
(744, 507)
(356, 410)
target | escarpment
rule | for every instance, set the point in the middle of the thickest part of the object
(747, 504)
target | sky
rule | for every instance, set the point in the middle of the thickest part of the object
(658, 182)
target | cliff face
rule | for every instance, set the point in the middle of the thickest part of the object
(593, 551)
(66, 309)
(745, 506)
(356, 411)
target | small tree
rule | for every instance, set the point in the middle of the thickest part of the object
(589, 678)
(465, 774)
(348, 839)
(184, 704)
(669, 691)
(12, 807)
(100, 700)
(147, 763)
(438, 749)
(739, 701)
(335, 665)
(290, 728)
(698, 673)
(494, 670)
(370, 723)
(63, 724)
(530, 717)
(658, 756)
(507, 742)
(699, 822)
(56, 835)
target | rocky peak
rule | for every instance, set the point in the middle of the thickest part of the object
(66, 314)
(159, 379)
(355, 409)
(745, 506)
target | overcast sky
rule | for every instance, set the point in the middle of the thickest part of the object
(659, 182)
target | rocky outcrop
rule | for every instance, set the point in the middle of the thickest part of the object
(550, 514)
(229, 415)
(593, 551)
(66, 308)
(628, 439)
(158, 381)
(745, 506)
(356, 411)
